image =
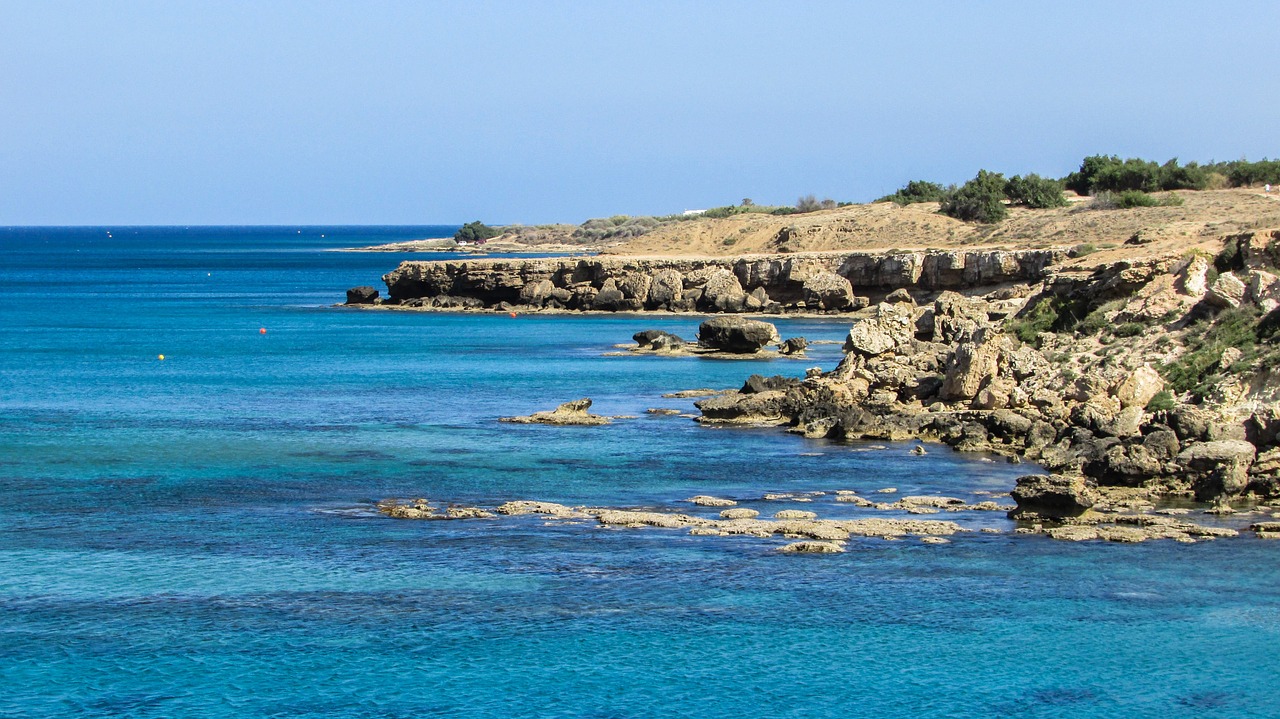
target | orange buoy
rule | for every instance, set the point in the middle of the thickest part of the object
(513, 315)
(262, 330)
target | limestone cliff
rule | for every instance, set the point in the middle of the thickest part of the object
(1158, 375)
(827, 281)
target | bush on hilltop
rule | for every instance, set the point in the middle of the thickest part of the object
(978, 200)
(1035, 191)
(475, 232)
(916, 191)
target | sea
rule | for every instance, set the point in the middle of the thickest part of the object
(196, 536)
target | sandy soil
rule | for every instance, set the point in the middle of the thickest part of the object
(1203, 218)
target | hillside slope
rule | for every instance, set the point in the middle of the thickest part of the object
(1204, 217)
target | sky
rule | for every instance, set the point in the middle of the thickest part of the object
(369, 112)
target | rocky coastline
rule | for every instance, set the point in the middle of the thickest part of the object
(1154, 375)
(1115, 515)
(1087, 374)
(819, 282)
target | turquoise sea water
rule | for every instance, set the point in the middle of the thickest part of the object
(194, 537)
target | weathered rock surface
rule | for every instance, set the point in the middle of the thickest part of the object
(891, 328)
(824, 281)
(569, 413)
(363, 295)
(1052, 497)
(736, 334)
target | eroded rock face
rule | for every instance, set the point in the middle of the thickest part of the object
(736, 334)
(757, 283)
(1219, 467)
(973, 364)
(891, 329)
(1052, 497)
(828, 291)
(793, 346)
(1227, 291)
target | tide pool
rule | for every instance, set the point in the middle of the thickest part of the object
(196, 536)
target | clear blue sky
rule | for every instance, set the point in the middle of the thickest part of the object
(423, 112)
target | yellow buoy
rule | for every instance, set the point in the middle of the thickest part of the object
(161, 358)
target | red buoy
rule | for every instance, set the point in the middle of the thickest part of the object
(513, 315)
(262, 330)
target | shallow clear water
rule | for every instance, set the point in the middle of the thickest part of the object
(193, 537)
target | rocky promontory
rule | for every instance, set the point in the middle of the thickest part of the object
(1157, 374)
(823, 282)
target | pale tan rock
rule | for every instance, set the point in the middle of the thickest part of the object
(934, 540)
(811, 548)
(650, 519)
(1121, 534)
(1139, 387)
(569, 413)
(523, 506)
(1073, 533)
(813, 529)
(467, 513)
(1227, 291)
(739, 513)
(703, 500)
(794, 514)
(928, 500)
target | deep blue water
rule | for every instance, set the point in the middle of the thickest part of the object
(193, 537)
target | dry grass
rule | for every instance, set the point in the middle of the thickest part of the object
(1203, 218)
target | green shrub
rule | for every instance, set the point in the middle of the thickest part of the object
(475, 231)
(1035, 191)
(1082, 249)
(1040, 317)
(978, 200)
(1129, 329)
(1162, 402)
(1128, 199)
(1197, 370)
(916, 191)
(1103, 173)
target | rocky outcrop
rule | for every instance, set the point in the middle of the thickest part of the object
(363, 295)
(569, 413)
(809, 282)
(1048, 506)
(1052, 497)
(736, 335)
(1084, 394)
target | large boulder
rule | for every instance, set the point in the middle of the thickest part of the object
(890, 329)
(828, 291)
(536, 293)
(956, 317)
(1219, 468)
(793, 346)
(1138, 388)
(657, 339)
(1227, 291)
(972, 365)
(736, 334)
(363, 295)
(1052, 497)
(723, 293)
(667, 287)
